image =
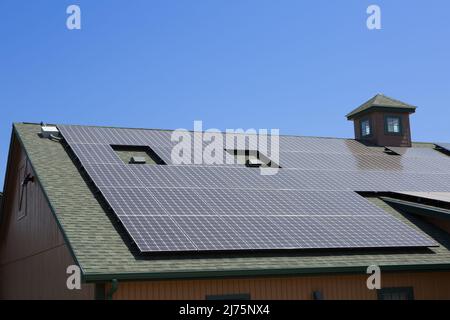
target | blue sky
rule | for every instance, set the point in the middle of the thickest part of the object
(299, 66)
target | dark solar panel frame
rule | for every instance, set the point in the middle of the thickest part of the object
(445, 146)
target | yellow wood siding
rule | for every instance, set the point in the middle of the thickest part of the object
(427, 285)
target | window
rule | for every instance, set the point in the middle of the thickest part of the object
(137, 155)
(244, 296)
(366, 130)
(393, 125)
(396, 294)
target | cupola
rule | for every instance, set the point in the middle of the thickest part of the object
(383, 121)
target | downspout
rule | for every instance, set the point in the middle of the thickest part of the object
(114, 287)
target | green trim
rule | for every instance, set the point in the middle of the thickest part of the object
(419, 209)
(386, 126)
(52, 209)
(261, 272)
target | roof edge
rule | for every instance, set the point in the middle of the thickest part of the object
(5, 181)
(153, 129)
(101, 277)
(354, 114)
(47, 198)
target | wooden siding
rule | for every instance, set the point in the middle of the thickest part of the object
(431, 285)
(33, 253)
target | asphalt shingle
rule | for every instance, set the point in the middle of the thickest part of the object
(382, 101)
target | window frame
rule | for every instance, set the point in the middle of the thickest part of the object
(409, 291)
(369, 121)
(386, 125)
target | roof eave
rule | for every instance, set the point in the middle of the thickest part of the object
(354, 114)
(206, 274)
(7, 172)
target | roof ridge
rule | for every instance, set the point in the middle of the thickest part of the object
(170, 130)
(155, 129)
(395, 100)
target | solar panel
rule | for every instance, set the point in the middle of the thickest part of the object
(181, 202)
(351, 231)
(156, 234)
(160, 201)
(245, 233)
(133, 202)
(269, 232)
(286, 202)
(107, 175)
(95, 154)
(325, 145)
(378, 162)
(309, 204)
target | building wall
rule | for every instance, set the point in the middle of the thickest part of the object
(33, 254)
(34, 258)
(377, 119)
(432, 285)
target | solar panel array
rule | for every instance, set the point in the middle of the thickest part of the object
(310, 203)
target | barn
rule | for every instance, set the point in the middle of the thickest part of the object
(112, 206)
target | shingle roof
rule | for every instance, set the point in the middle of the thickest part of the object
(98, 246)
(381, 101)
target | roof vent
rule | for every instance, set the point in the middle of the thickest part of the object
(49, 132)
(390, 152)
(138, 160)
(254, 163)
